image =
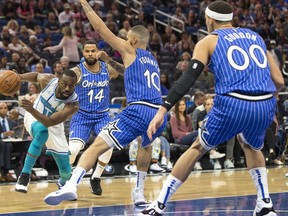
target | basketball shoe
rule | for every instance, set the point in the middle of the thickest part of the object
(23, 183)
(67, 192)
(155, 208)
(138, 197)
(95, 186)
(264, 207)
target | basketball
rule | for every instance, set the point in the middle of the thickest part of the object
(10, 82)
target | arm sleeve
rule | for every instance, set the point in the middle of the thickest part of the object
(184, 83)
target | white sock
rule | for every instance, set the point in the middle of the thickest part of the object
(78, 174)
(98, 171)
(140, 180)
(168, 189)
(259, 177)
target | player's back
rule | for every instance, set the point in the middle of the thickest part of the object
(240, 64)
(142, 79)
(47, 103)
(93, 89)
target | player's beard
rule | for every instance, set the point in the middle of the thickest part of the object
(90, 62)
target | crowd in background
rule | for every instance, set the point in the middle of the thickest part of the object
(47, 37)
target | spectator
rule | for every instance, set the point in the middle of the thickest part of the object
(57, 69)
(52, 25)
(124, 31)
(13, 27)
(9, 10)
(179, 15)
(6, 131)
(66, 16)
(33, 92)
(64, 60)
(164, 83)
(155, 43)
(68, 44)
(24, 9)
(15, 45)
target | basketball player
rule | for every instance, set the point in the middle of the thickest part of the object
(142, 86)
(44, 121)
(245, 80)
(93, 114)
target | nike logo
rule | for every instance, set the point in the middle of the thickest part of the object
(85, 75)
(166, 102)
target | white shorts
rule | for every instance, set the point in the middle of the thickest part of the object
(56, 142)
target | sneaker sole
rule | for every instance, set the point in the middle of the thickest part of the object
(96, 193)
(55, 200)
(21, 190)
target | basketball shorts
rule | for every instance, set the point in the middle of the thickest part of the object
(81, 125)
(56, 142)
(132, 122)
(231, 116)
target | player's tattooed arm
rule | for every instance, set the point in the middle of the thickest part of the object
(115, 67)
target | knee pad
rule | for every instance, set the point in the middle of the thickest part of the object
(75, 147)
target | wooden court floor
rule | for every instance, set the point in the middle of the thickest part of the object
(204, 193)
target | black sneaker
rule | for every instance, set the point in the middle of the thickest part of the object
(95, 186)
(22, 183)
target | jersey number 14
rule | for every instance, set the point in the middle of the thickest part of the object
(98, 96)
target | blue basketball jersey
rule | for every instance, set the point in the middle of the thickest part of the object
(240, 64)
(47, 103)
(93, 89)
(142, 79)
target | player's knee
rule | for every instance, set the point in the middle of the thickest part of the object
(40, 132)
(75, 147)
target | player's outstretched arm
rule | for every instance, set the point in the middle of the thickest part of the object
(42, 79)
(99, 26)
(55, 118)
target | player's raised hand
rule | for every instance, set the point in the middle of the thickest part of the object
(156, 122)
(103, 56)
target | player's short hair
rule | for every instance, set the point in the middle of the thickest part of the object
(90, 41)
(221, 7)
(142, 33)
(70, 73)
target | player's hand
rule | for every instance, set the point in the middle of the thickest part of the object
(26, 104)
(156, 122)
(103, 56)
(8, 134)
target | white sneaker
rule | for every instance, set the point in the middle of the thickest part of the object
(169, 165)
(156, 168)
(197, 166)
(67, 192)
(286, 175)
(228, 164)
(217, 165)
(133, 168)
(138, 197)
(155, 208)
(264, 207)
(216, 155)
(163, 161)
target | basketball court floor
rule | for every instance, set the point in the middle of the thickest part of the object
(215, 193)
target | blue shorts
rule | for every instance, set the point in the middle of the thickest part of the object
(231, 116)
(132, 122)
(83, 124)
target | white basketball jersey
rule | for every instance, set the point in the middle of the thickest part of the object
(47, 103)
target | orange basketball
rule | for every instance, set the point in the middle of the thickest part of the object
(10, 82)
